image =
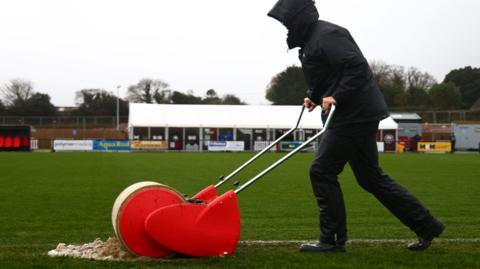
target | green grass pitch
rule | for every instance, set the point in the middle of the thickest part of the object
(47, 198)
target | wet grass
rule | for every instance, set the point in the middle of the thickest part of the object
(46, 198)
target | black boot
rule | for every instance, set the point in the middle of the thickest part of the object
(424, 241)
(321, 248)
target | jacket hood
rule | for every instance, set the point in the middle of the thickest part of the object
(298, 16)
(288, 11)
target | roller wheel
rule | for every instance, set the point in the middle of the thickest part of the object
(130, 210)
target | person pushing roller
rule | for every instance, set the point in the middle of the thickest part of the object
(337, 73)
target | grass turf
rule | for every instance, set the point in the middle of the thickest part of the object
(46, 198)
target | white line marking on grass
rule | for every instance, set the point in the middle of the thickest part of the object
(357, 241)
(290, 242)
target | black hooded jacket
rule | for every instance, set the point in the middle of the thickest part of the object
(332, 63)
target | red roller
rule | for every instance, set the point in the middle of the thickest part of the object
(199, 230)
(131, 209)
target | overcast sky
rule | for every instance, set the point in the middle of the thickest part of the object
(63, 46)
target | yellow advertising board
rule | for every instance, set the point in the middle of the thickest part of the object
(434, 147)
(149, 145)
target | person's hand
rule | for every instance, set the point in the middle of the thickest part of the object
(309, 104)
(327, 103)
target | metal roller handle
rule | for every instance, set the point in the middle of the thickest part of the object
(286, 157)
(262, 152)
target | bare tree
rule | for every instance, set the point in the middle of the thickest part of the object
(17, 91)
(98, 102)
(418, 88)
(391, 80)
(418, 80)
(381, 72)
(149, 91)
(386, 74)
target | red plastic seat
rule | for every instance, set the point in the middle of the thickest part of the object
(25, 141)
(16, 142)
(8, 142)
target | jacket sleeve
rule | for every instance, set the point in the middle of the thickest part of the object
(314, 96)
(344, 55)
(315, 80)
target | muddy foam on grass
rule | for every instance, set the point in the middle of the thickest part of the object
(109, 250)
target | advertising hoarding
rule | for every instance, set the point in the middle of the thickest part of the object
(111, 145)
(260, 145)
(381, 147)
(226, 145)
(148, 145)
(435, 147)
(73, 145)
(288, 146)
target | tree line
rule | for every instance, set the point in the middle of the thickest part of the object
(18, 98)
(403, 89)
(158, 92)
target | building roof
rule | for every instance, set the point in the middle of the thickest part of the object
(476, 106)
(227, 116)
(405, 117)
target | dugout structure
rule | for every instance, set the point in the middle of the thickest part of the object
(209, 127)
(410, 129)
(14, 138)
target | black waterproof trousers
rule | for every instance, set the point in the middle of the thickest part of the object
(356, 144)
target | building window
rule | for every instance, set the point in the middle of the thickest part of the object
(175, 138)
(309, 133)
(157, 133)
(140, 133)
(225, 134)
(260, 134)
(210, 134)
(245, 135)
(280, 132)
(192, 139)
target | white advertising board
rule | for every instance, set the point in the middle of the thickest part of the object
(34, 144)
(73, 145)
(235, 145)
(260, 145)
(217, 145)
(226, 145)
(381, 146)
